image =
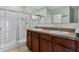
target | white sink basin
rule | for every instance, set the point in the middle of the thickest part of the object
(64, 33)
(60, 32)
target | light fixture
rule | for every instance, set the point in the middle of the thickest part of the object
(34, 17)
(37, 16)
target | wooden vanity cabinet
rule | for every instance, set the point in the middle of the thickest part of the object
(46, 43)
(29, 39)
(41, 42)
(35, 42)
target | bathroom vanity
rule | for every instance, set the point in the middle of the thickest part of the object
(41, 40)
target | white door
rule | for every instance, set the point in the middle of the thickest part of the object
(23, 25)
(2, 29)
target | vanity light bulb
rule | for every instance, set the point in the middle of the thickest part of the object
(34, 17)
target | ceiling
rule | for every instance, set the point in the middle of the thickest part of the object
(39, 7)
(34, 8)
(30, 9)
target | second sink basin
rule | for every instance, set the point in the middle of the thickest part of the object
(60, 32)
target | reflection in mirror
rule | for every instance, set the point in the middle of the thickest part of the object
(57, 18)
(69, 14)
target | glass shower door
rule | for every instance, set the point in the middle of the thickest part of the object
(2, 29)
(12, 28)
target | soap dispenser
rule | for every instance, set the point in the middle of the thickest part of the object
(77, 31)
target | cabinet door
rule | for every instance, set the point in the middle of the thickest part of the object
(28, 39)
(71, 44)
(58, 48)
(77, 46)
(45, 46)
(35, 42)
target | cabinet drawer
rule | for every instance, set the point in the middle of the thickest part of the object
(35, 34)
(46, 37)
(65, 42)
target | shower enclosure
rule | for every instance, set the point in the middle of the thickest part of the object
(12, 28)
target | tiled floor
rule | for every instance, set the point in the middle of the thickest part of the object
(21, 48)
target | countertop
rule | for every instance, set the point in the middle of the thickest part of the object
(63, 34)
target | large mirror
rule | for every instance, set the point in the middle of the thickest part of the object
(58, 14)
